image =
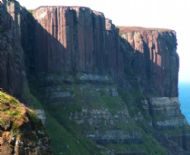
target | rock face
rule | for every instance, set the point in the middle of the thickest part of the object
(83, 39)
(155, 59)
(11, 52)
(114, 86)
(20, 130)
(81, 47)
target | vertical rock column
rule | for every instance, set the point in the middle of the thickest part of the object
(11, 54)
(75, 39)
(155, 59)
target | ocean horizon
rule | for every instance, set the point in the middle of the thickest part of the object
(184, 97)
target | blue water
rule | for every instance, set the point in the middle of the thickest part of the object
(184, 96)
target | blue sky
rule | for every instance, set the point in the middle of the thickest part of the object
(173, 14)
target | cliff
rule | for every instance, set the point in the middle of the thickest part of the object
(105, 89)
(81, 38)
(85, 41)
(21, 132)
(155, 60)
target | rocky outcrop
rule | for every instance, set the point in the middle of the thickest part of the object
(21, 132)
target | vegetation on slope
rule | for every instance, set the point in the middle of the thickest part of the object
(12, 112)
(20, 125)
(68, 137)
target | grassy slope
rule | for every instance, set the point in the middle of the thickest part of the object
(11, 110)
(67, 137)
(64, 142)
(58, 117)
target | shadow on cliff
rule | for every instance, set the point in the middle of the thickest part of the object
(150, 70)
(11, 53)
(45, 58)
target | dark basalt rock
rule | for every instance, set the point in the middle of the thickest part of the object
(12, 72)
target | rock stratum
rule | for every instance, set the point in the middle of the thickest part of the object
(98, 88)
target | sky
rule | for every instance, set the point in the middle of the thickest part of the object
(172, 14)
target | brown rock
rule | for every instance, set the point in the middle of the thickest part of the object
(74, 39)
(155, 59)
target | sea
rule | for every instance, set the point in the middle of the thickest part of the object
(184, 97)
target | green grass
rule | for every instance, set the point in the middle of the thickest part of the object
(133, 100)
(31, 100)
(153, 147)
(93, 99)
(65, 135)
(10, 107)
(13, 113)
(68, 142)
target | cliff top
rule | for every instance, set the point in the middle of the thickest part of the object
(77, 8)
(125, 29)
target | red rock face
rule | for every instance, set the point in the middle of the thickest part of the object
(77, 39)
(81, 40)
(155, 59)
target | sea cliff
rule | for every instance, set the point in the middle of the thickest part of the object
(99, 88)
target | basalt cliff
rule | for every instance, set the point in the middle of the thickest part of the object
(98, 89)
(21, 131)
